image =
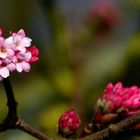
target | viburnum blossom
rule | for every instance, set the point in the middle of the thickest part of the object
(16, 53)
(116, 103)
(18, 41)
(68, 123)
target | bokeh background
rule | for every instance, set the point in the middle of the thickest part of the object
(84, 44)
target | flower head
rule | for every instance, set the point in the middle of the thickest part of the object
(117, 102)
(16, 53)
(68, 123)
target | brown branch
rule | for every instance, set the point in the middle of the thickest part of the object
(32, 131)
(115, 129)
(12, 121)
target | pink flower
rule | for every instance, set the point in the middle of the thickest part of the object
(16, 54)
(19, 41)
(22, 61)
(69, 122)
(116, 103)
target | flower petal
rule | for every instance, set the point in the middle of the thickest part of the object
(26, 66)
(19, 67)
(4, 72)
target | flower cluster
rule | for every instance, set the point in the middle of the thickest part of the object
(68, 123)
(117, 102)
(16, 53)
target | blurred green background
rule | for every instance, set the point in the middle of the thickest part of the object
(84, 44)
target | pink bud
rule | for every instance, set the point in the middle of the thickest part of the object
(116, 103)
(69, 122)
(35, 52)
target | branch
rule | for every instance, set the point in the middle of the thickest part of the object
(115, 129)
(12, 121)
(32, 131)
(11, 102)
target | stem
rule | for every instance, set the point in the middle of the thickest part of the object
(126, 125)
(32, 131)
(11, 102)
(12, 121)
(12, 117)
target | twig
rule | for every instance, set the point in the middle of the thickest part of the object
(12, 121)
(115, 129)
(22, 125)
(11, 102)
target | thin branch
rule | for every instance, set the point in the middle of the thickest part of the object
(115, 129)
(11, 101)
(32, 131)
(12, 121)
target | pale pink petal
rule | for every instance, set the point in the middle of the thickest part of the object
(8, 42)
(19, 67)
(3, 54)
(21, 48)
(26, 42)
(10, 52)
(26, 66)
(14, 59)
(11, 67)
(21, 32)
(1, 41)
(7, 60)
(4, 72)
(20, 56)
(28, 56)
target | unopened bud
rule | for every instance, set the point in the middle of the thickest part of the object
(69, 122)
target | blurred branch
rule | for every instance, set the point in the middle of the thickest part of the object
(115, 129)
(12, 120)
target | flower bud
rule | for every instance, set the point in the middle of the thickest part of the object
(69, 122)
(116, 103)
(35, 52)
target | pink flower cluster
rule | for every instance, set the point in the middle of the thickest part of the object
(16, 53)
(69, 122)
(116, 103)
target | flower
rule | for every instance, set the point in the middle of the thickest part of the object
(116, 103)
(16, 53)
(69, 122)
(19, 41)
